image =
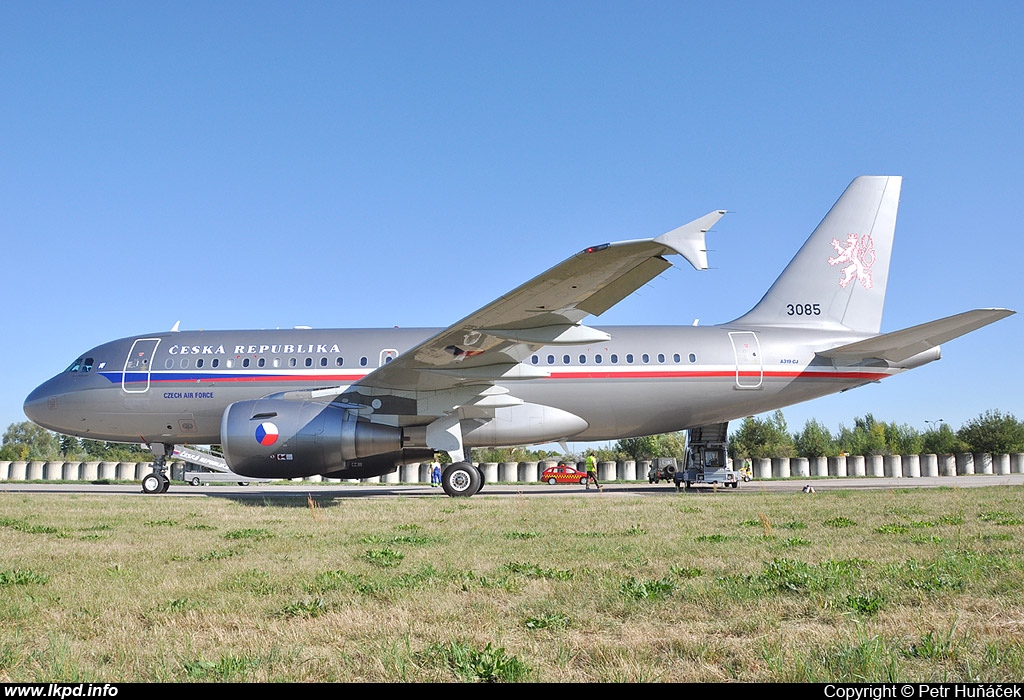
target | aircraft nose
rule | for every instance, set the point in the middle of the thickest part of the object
(40, 404)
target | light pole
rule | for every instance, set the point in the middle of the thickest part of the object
(933, 424)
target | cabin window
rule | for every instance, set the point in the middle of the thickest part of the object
(199, 362)
(277, 362)
(597, 359)
(245, 362)
(323, 361)
(168, 364)
(629, 358)
(693, 358)
(675, 358)
(645, 358)
(292, 362)
(362, 361)
(261, 362)
(309, 362)
(583, 359)
(534, 359)
(565, 359)
(184, 363)
(229, 363)
(216, 362)
(551, 359)
(615, 359)
(661, 358)
(340, 361)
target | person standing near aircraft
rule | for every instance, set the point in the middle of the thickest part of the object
(435, 475)
(592, 471)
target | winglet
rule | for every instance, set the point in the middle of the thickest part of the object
(688, 239)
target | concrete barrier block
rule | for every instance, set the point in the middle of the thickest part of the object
(490, 471)
(819, 466)
(911, 466)
(35, 470)
(874, 465)
(53, 471)
(800, 467)
(837, 466)
(528, 472)
(780, 467)
(762, 467)
(508, 472)
(627, 470)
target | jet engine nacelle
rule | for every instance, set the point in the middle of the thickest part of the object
(282, 439)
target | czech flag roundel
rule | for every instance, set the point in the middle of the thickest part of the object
(266, 434)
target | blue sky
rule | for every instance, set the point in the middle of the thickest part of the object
(263, 165)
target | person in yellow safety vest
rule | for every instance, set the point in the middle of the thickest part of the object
(592, 471)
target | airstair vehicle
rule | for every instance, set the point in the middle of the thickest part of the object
(707, 458)
(215, 469)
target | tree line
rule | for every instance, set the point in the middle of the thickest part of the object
(27, 441)
(993, 432)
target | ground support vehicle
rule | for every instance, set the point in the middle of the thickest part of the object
(662, 469)
(211, 468)
(707, 458)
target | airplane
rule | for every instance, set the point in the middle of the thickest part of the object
(522, 370)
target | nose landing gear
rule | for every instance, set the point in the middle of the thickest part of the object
(158, 481)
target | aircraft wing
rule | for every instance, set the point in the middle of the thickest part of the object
(489, 344)
(900, 345)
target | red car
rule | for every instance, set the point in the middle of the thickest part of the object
(563, 474)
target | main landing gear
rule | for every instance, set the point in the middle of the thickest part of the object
(461, 479)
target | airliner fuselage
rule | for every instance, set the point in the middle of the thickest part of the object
(174, 387)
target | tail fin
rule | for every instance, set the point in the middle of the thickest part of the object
(838, 277)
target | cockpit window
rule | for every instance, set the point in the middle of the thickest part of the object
(82, 364)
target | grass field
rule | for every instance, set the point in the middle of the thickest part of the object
(899, 585)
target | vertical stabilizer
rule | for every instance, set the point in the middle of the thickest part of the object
(838, 277)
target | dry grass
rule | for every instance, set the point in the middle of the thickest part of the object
(903, 585)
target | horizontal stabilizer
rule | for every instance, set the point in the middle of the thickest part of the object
(900, 345)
